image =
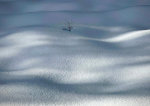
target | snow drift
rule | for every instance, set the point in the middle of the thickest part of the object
(103, 61)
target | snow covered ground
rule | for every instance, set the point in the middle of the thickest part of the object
(103, 61)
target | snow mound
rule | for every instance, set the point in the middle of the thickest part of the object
(129, 36)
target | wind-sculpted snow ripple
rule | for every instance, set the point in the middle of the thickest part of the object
(42, 64)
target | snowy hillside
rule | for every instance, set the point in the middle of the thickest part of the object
(137, 17)
(103, 61)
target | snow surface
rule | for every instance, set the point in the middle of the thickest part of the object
(103, 61)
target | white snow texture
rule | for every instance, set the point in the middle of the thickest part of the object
(103, 61)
